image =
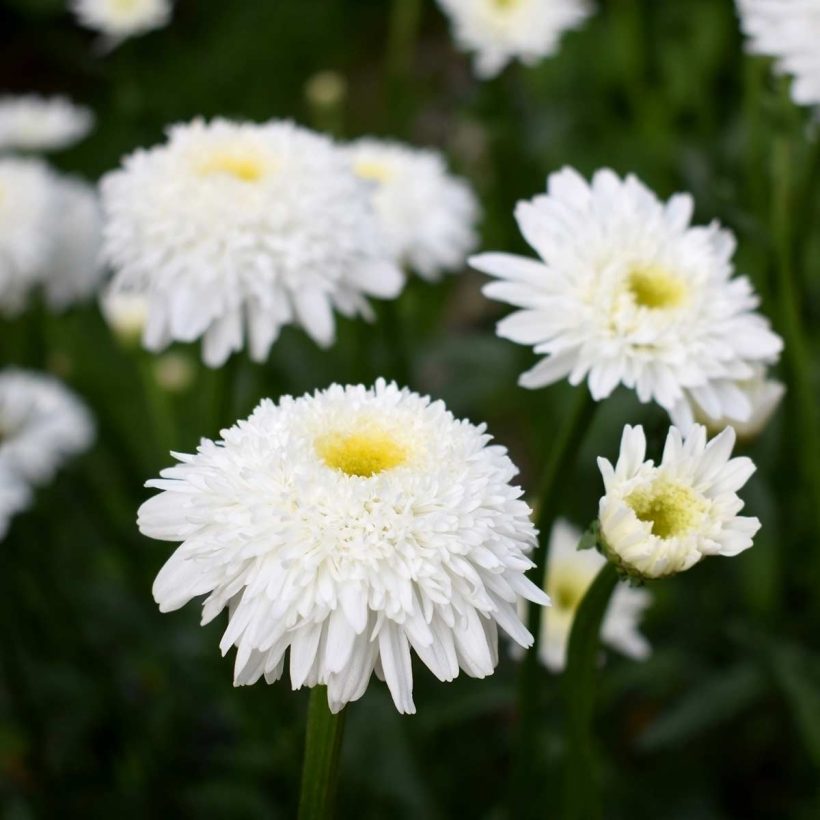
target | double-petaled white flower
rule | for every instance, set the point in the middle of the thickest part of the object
(789, 31)
(117, 20)
(232, 229)
(42, 424)
(427, 215)
(499, 31)
(30, 122)
(570, 573)
(630, 293)
(656, 520)
(349, 527)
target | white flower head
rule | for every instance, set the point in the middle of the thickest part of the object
(74, 271)
(235, 228)
(120, 19)
(630, 293)
(659, 520)
(27, 222)
(499, 31)
(15, 495)
(125, 313)
(427, 214)
(789, 31)
(349, 526)
(570, 573)
(761, 393)
(30, 122)
(42, 424)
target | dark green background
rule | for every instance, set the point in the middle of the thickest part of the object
(106, 706)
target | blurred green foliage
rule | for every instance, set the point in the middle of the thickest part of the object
(106, 706)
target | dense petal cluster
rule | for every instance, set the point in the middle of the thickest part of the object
(120, 19)
(49, 235)
(30, 122)
(659, 520)
(570, 573)
(349, 526)
(789, 31)
(232, 229)
(630, 293)
(499, 31)
(427, 215)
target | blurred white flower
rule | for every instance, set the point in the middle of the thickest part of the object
(125, 313)
(499, 31)
(235, 228)
(28, 217)
(427, 214)
(763, 394)
(630, 293)
(74, 271)
(42, 424)
(349, 526)
(570, 573)
(15, 494)
(120, 19)
(174, 372)
(789, 31)
(30, 122)
(659, 520)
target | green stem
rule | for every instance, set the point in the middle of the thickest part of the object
(320, 770)
(556, 477)
(581, 798)
(158, 404)
(797, 355)
(403, 28)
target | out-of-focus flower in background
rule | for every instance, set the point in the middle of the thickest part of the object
(499, 31)
(125, 313)
(349, 526)
(427, 215)
(659, 520)
(42, 425)
(570, 572)
(630, 293)
(117, 20)
(235, 228)
(788, 31)
(30, 122)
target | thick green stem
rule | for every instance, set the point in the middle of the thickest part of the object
(320, 770)
(556, 477)
(581, 787)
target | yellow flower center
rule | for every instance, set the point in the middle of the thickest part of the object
(566, 591)
(655, 288)
(244, 167)
(672, 509)
(506, 4)
(372, 170)
(362, 453)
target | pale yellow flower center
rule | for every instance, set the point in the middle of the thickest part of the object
(566, 590)
(124, 6)
(656, 288)
(372, 170)
(506, 4)
(363, 452)
(672, 509)
(243, 166)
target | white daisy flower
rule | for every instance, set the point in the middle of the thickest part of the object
(499, 31)
(30, 122)
(659, 520)
(788, 31)
(125, 313)
(42, 424)
(570, 573)
(15, 494)
(349, 526)
(762, 394)
(27, 221)
(630, 293)
(74, 272)
(230, 227)
(427, 215)
(120, 19)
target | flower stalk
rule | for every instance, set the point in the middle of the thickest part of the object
(320, 770)
(581, 798)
